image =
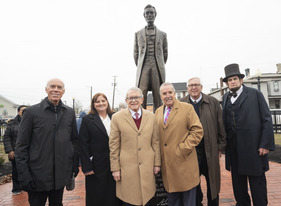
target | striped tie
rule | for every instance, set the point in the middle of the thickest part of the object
(167, 114)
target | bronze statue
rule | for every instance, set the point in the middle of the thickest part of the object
(150, 54)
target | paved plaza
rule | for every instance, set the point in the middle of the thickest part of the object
(77, 196)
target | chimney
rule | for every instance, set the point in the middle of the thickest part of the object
(247, 72)
(278, 68)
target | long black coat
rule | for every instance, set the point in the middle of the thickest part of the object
(93, 138)
(11, 133)
(254, 131)
(47, 146)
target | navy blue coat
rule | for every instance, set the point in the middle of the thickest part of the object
(254, 131)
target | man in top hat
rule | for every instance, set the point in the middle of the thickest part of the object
(250, 137)
(150, 55)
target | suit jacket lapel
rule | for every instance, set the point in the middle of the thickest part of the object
(129, 119)
(97, 121)
(144, 119)
(243, 95)
(156, 37)
(143, 35)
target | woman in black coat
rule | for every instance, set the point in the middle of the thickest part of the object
(94, 154)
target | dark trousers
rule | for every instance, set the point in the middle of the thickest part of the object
(240, 182)
(127, 204)
(187, 198)
(150, 81)
(40, 198)
(16, 183)
(203, 168)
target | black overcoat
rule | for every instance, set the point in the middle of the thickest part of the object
(254, 131)
(94, 155)
(11, 133)
(47, 146)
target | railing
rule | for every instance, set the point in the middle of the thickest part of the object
(276, 120)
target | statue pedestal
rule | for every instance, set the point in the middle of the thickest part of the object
(160, 197)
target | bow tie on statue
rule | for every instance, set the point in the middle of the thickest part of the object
(150, 28)
(232, 94)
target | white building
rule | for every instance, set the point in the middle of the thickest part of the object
(8, 109)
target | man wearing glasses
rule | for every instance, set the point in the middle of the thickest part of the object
(213, 143)
(134, 151)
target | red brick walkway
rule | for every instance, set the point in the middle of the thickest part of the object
(77, 196)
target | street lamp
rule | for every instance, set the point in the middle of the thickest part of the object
(258, 75)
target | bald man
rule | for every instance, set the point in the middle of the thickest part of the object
(46, 149)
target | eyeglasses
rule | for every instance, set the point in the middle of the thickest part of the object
(133, 98)
(194, 85)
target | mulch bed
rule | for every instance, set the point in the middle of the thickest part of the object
(5, 173)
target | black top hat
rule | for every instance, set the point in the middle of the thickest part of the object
(232, 70)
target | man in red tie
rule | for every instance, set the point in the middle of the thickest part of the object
(134, 151)
(181, 133)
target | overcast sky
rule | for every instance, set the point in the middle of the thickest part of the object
(86, 43)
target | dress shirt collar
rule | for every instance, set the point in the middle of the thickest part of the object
(197, 100)
(133, 113)
(238, 92)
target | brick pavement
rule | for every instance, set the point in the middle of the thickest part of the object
(77, 196)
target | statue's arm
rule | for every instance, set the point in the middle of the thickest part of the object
(165, 47)
(136, 50)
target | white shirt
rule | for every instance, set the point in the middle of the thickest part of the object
(197, 100)
(133, 113)
(106, 122)
(238, 92)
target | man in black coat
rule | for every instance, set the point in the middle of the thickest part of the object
(47, 147)
(250, 137)
(10, 138)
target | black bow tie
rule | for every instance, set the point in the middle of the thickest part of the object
(232, 94)
(149, 28)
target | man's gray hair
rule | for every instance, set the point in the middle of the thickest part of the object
(135, 89)
(48, 82)
(166, 84)
(200, 82)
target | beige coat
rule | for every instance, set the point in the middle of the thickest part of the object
(134, 152)
(178, 138)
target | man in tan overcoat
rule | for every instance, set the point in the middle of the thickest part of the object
(179, 136)
(213, 143)
(134, 151)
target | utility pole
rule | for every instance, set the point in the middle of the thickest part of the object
(91, 93)
(114, 85)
